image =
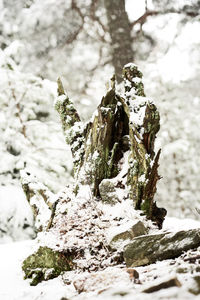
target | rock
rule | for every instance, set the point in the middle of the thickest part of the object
(192, 259)
(108, 191)
(196, 289)
(133, 275)
(101, 280)
(163, 285)
(46, 264)
(148, 249)
(120, 293)
(181, 270)
(125, 233)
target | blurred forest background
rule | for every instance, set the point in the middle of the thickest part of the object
(41, 40)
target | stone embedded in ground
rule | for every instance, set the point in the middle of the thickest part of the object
(163, 285)
(196, 289)
(148, 249)
(108, 191)
(101, 280)
(124, 235)
(133, 275)
(46, 264)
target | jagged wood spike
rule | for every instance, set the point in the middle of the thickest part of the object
(60, 88)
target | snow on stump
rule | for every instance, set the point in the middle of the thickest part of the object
(126, 121)
(114, 161)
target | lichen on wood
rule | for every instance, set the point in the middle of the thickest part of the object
(125, 120)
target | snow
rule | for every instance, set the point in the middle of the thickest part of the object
(171, 224)
(130, 65)
(13, 287)
(60, 99)
(115, 230)
(142, 178)
(137, 80)
(108, 284)
(14, 214)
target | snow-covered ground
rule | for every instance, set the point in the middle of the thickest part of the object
(112, 283)
(11, 276)
(15, 215)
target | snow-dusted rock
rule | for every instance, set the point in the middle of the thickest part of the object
(107, 191)
(46, 264)
(159, 285)
(99, 281)
(122, 235)
(196, 289)
(148, 249)
(110, 192)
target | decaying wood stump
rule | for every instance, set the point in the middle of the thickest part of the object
(124, 122)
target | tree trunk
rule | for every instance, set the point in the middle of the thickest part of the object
(120, 33)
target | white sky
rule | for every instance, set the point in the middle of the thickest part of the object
(136, 8)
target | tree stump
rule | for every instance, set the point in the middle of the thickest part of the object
(121, 132)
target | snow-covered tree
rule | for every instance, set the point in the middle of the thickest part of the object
(36, 39)
(30, 138)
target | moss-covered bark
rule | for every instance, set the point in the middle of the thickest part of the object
(124, 121)
(98, 146)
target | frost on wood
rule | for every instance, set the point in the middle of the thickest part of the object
(125, 122)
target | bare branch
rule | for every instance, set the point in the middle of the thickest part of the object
(94, 17)
(18, 106)
(141, 20)
(74, 36)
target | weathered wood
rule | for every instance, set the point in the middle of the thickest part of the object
(124, 121)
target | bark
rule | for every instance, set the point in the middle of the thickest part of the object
(124, 121)
(120, 33)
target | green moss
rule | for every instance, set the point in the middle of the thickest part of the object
(46, 264)
(76, 189)
(139, 89)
